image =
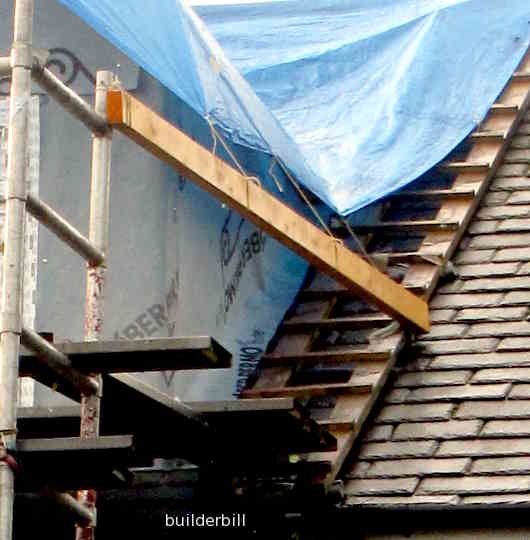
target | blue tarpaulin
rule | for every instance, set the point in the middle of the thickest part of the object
(353, 98)
(366, 95)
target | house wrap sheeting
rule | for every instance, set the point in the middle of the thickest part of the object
(368, 94)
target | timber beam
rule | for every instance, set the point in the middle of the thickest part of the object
(190, 159)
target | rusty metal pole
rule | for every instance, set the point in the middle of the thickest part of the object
(13, 266)
(98, 236)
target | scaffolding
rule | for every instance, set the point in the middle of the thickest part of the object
(111, 442)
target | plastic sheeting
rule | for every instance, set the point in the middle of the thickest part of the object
(374, 92)
(370, 93)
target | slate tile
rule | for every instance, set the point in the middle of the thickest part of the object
(451, 346)
(505, 499)
(477, 257)
(389, 450)
(496, 466)
(445, 331)
(474, 485)
(456, 301)
(502, 212)
(520, 196)
(491, 314)
(397, 395)
(512, 254)
(512, 170)
(432, 378)
(514, 344)
(482, 227)
(379, 433)
(514, 225)
(415, 413)
(498, 375)
(515, 298)
(500, 329)
(497, 284)
(494, 199)
(477, 361)
(398, 486)
(457, 393)
(520, 141)
(505, 240)
(517, 156)
(484, 447)
(414, 467)
(520, 391)
(494, 410)
(510, 184)
(487, 270)
(442, 315)
(452, 429)
(506, 428)
(414, 500)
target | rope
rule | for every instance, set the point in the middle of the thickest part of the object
(271, 172)
(217, 136)
(358, 242)
(308, 202)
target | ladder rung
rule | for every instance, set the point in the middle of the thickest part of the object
(468, 166)
(359, 321)
(521, 75)
(328, 294)
(502, 107)
(481, 135)
(419, 226)
(336, 423)
(413, 257)
(63, 230)
(434, 194)
(331, 357)
(310, 389)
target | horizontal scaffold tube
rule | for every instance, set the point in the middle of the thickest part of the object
(59, 226)
(58, 362)
(69, 99)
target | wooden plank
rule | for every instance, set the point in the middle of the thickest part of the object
(337, 423)
(243, 406)
(497, 135)
(435, 194)
(342, 323)
(504, 107)
(408, 226)
(465, 166)
(326, 357)
(312, 390)
(167, 142)
(157, 354)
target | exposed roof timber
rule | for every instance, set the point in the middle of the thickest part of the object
(190, 159)
(306, 339)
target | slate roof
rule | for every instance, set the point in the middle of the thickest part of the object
(453, 427)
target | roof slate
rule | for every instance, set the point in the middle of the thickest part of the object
(453, 427)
